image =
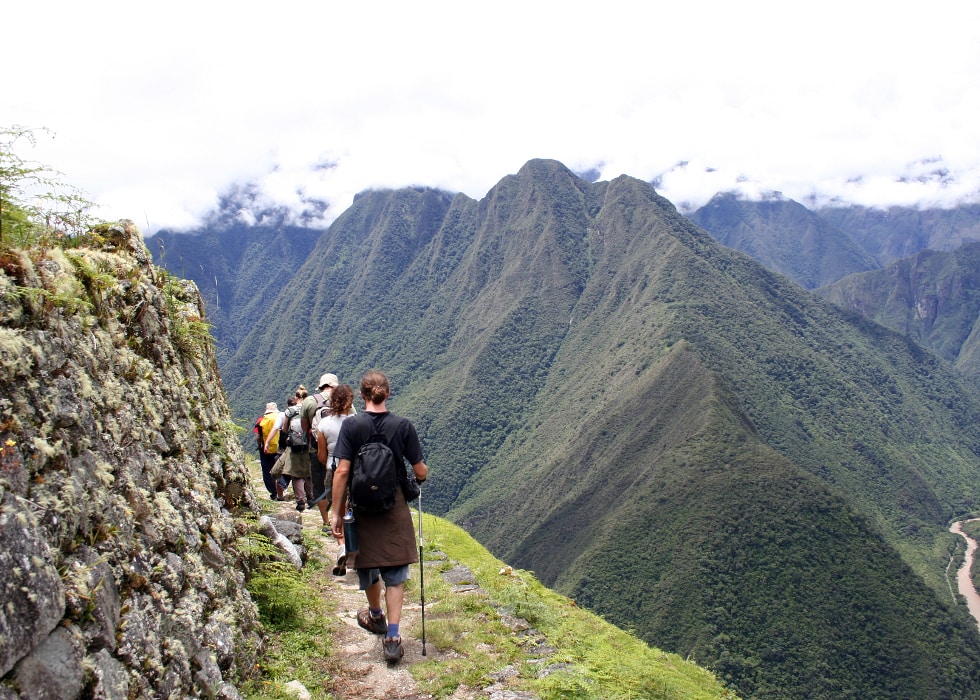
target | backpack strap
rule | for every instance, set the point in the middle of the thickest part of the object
(321, 403)
(258, 433)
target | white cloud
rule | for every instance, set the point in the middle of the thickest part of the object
(159, 109)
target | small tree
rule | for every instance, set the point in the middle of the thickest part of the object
(35, 204)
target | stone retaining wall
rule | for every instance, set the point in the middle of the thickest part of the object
(120, 471)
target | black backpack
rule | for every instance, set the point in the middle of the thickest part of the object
(374, 476)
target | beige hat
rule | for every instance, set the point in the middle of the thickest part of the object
(271, 407)
(328, 380)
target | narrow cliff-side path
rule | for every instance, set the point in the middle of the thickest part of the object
(357, 669)
(492, 632)
(361, 669)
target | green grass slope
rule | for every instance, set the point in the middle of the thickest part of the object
(470, 635)
(601, 660)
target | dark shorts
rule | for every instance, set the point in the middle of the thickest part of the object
(391, 575)
(320, 474)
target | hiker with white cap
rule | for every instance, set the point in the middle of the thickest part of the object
(311, 413)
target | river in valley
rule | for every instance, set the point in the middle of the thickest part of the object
(963, 581)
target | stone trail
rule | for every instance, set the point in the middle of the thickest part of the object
(361, 672)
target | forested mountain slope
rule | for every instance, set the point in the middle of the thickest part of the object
(239, 270)
(784, 236)
(933, 297)
(898, 232)
(658, 425)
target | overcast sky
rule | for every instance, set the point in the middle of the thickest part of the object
(159, 108)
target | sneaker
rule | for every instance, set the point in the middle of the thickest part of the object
(340, 568)
(394, 650)
(374, 625)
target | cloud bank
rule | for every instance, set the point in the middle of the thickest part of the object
(159, 110)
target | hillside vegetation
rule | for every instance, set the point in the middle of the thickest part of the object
(786, 237)
(932, 297)
(239, 270)
(655, 425)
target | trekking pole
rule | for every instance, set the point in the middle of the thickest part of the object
(421, 572)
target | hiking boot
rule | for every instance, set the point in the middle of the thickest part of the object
(394, 650)
(340, 568)
(301, 506)
(374, 625)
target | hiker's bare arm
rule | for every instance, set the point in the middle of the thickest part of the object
(321, 448)
(337, 497)
(421, 472)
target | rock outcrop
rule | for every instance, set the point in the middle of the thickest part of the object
(121, 476)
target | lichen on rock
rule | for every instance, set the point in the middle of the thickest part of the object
(121, 475)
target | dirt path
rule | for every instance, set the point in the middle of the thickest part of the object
(358, 667)
(358, 670)
(364, 672)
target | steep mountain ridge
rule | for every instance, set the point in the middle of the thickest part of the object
(591, 480)
(596, 378)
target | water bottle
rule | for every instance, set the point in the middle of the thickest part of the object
(350, 532)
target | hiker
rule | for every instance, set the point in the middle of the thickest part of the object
(386, 541)
(311, 415)
(340, 407)
(297, 463)
(268, 443)
(274, 444)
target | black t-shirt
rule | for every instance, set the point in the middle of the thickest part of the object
(398, 431)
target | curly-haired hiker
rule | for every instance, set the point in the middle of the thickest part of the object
(341, 406)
